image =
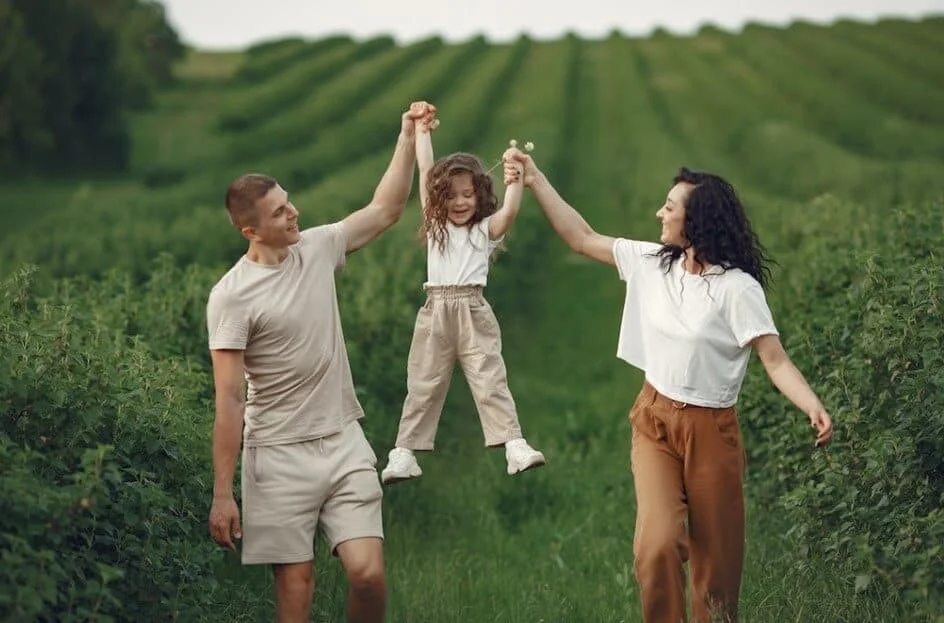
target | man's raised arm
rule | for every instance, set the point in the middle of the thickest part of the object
(391, 194)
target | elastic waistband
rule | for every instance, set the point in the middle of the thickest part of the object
(454, 292)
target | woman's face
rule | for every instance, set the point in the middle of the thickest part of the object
(672, 214)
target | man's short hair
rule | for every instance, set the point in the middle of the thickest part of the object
(242, 195)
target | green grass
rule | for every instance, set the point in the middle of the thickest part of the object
(612, 120)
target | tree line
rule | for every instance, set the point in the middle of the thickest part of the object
(71, 71)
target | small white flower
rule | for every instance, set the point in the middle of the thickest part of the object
(434, 124)
(513, 143)
(529, 146)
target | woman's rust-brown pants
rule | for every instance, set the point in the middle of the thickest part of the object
(688, 467)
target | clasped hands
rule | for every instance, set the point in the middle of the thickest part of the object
(421, 117)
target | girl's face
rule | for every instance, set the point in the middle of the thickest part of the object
(461, 202)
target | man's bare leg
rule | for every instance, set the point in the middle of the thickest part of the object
(367, 584)
(294, 589)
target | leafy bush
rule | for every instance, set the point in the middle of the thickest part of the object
(105, 453)
(865, 329)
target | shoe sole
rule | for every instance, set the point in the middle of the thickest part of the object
(538, 462)
(392, 480)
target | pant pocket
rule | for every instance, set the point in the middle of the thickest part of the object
(647, 424)
(254, 464)
(367, 449)
(644, 399)
(484, 334)
(726, 423)
(419, 343)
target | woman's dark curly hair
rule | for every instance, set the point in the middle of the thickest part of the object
(438, 187)
(717, 226)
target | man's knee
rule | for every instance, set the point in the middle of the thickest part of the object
(363, 564)
(369, 577)
(295, 582)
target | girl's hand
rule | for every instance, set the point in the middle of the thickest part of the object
(427, 123)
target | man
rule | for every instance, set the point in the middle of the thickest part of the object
(694, 310)
(273, 320)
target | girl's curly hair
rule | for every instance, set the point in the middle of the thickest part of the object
(717, 226)
(439, 186)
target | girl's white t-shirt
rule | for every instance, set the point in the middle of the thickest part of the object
(690, 334)
(465, 259)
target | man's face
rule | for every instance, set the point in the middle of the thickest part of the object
(277, 224)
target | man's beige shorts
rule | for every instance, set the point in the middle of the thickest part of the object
(288, 490)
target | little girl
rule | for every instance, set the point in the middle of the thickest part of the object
(462, 228)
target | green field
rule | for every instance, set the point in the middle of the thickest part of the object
(834, 135)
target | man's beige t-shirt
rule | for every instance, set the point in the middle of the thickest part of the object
(286, 319)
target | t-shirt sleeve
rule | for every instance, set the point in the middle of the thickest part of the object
(629, 255)
(329, 240)
(748, 314)
(227, 321)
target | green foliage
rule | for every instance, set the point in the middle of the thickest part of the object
(375, 70)
(291, 85)
(72, 70)
(819, 102)
(21, 127)
(148, 47)
(104, 481)
(866, 328)
(867, 74)
(104, 373)
(271, 58)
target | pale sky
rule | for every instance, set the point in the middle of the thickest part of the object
(214, 24)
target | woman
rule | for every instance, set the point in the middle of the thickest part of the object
(694, 309)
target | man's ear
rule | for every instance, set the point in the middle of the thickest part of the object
(249, 233)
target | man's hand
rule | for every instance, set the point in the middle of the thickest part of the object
(418, 111)
(428, 122)
(224, 521)
(823, 424)
(516, 160)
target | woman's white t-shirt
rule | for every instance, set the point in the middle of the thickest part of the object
(465, 259)
(689, 333)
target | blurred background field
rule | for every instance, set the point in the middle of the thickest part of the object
(117, 144)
